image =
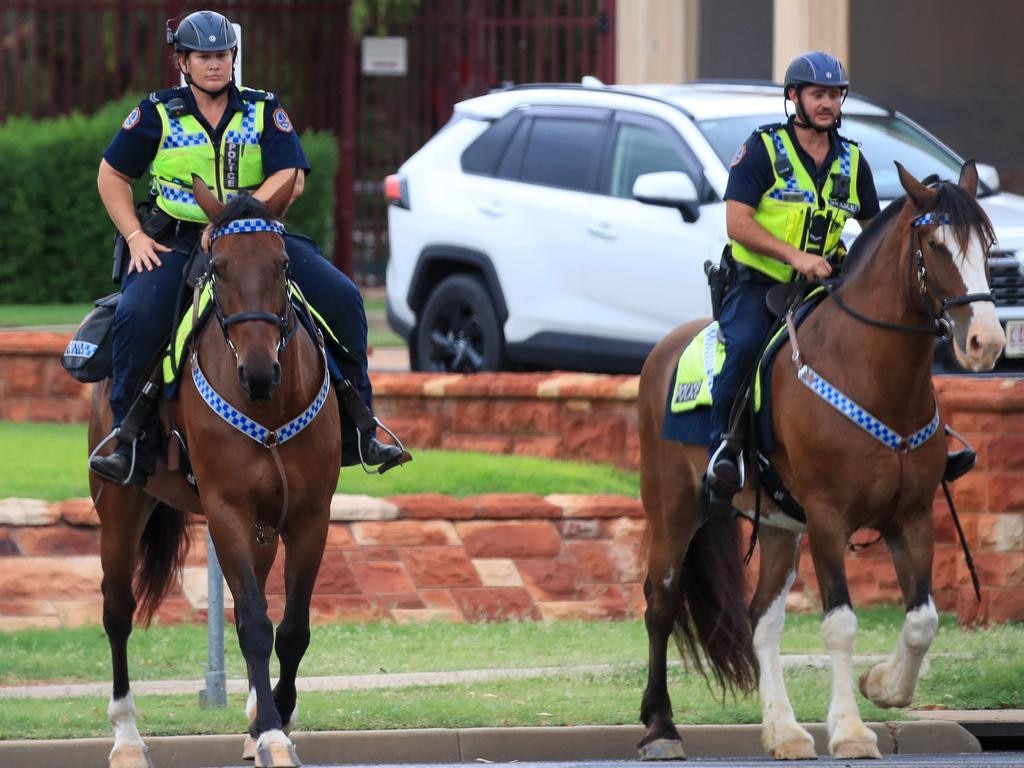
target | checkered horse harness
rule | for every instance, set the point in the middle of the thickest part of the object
(247, 426)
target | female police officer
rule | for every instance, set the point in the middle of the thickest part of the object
(242, 142)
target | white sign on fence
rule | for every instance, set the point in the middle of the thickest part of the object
(385, 55)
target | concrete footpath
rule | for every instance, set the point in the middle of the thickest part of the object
(930, 732)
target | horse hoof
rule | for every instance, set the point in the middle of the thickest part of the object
(249, 748)
(130, 756)
(856, 750)
(795, 749)
(276, 755)
(663, 749)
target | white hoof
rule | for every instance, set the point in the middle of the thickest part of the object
(249, 748)
(130, 756)
(275, 750)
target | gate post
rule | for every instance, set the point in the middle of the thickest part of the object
(215, 692)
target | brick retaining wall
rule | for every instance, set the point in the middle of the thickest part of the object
(586, 417)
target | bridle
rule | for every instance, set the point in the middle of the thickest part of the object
(941, 324)
(283, 321)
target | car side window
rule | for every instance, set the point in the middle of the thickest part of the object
(563, 152)
(486, 152)
(647, 145)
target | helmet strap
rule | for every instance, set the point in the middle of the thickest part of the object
(212, 94)
(801, 121)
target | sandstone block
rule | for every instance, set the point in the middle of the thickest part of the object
(510, 539)
(403, 533)
(347, 506)
(16, 511)
(439, 567)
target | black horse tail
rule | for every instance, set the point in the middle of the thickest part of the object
(162, 553)
(712, 623)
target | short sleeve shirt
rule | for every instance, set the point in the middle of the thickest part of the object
(137, 142)
(751, 174)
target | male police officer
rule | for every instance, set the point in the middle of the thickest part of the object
(240, 141)
(791, 189)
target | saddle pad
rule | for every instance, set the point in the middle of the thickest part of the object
(688, 405)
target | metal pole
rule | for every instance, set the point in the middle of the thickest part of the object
(214, 694)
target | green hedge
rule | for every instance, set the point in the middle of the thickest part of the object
(55, 236)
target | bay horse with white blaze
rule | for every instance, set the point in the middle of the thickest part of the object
(257, 366)
(917, 270)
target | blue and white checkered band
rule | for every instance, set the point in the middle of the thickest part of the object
(248, 133)
(792, 188)
(78, 348)
(870, 424)
(710, 347)
(177, 195)
(845, 159)
(254, 429)
(930, 218)
(179, 138)
(243, 226)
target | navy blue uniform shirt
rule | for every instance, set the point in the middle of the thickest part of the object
(136, 144)
(751, 175)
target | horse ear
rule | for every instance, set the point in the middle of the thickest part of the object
(282, 198)
(969, 178)
(211, 205)
(918, 193)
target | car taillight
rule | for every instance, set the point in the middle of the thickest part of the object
(396, 190)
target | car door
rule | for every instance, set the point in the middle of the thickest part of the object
(548, 181)
(643, 265)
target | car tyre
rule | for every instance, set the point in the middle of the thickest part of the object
(458, 329)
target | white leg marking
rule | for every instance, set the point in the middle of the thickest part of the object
(250, 706)
(848, 736)
(127, 739)
(893, 682)
(780, 732)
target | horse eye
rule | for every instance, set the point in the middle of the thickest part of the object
(932, 244)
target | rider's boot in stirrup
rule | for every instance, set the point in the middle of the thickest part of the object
(725, 473)
(134, 459)
(366, 449)
(959, 463)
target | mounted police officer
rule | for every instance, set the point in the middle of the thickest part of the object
(791, 188)
(240, 141)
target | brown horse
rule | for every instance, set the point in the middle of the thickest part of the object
(917, 270)
(256, 483)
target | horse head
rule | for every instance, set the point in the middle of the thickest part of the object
(249, 274)
(950, 241)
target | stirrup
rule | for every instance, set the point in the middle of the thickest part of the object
(114, 435)
(402, 458)
(713, 480)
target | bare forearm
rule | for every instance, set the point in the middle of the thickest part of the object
(279, 179)
(116, 193)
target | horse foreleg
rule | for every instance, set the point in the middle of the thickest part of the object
(662, 741)
(848, 736)
(303, 555)
(781, 736)
(893, 682)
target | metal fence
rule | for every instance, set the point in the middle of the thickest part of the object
(61, 56)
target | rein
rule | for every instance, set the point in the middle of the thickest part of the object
(941, 326)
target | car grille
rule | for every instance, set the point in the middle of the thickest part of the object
(1005, 279)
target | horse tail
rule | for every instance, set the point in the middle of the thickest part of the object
(162, 551)
(712, 622)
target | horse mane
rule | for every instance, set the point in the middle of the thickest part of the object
(244, 207)
(965, 216)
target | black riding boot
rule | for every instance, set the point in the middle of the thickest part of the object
(725, 472)
(134, 458)
(359, 444)
(959, 463)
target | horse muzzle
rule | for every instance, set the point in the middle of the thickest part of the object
(259, 380)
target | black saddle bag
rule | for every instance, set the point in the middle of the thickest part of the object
(89, 355)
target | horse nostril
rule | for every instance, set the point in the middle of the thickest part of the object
(276, 375)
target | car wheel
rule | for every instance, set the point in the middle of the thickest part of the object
(458, 330)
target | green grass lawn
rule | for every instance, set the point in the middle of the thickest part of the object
(978, 669)
(48, 461)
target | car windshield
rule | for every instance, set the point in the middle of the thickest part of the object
(883, 139)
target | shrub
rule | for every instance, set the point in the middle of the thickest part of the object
(56, 238)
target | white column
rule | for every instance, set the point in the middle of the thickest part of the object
(810, 25)
(656, 41)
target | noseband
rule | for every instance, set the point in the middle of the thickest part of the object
(941, 325)
(282, 321)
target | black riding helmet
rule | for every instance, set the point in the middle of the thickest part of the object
(814, 68)
(204, 32)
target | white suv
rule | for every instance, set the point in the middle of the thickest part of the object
(566, 226)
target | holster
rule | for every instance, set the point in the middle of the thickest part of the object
(719, 277)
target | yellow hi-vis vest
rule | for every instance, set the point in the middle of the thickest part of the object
(236, 165)
(792, 209)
